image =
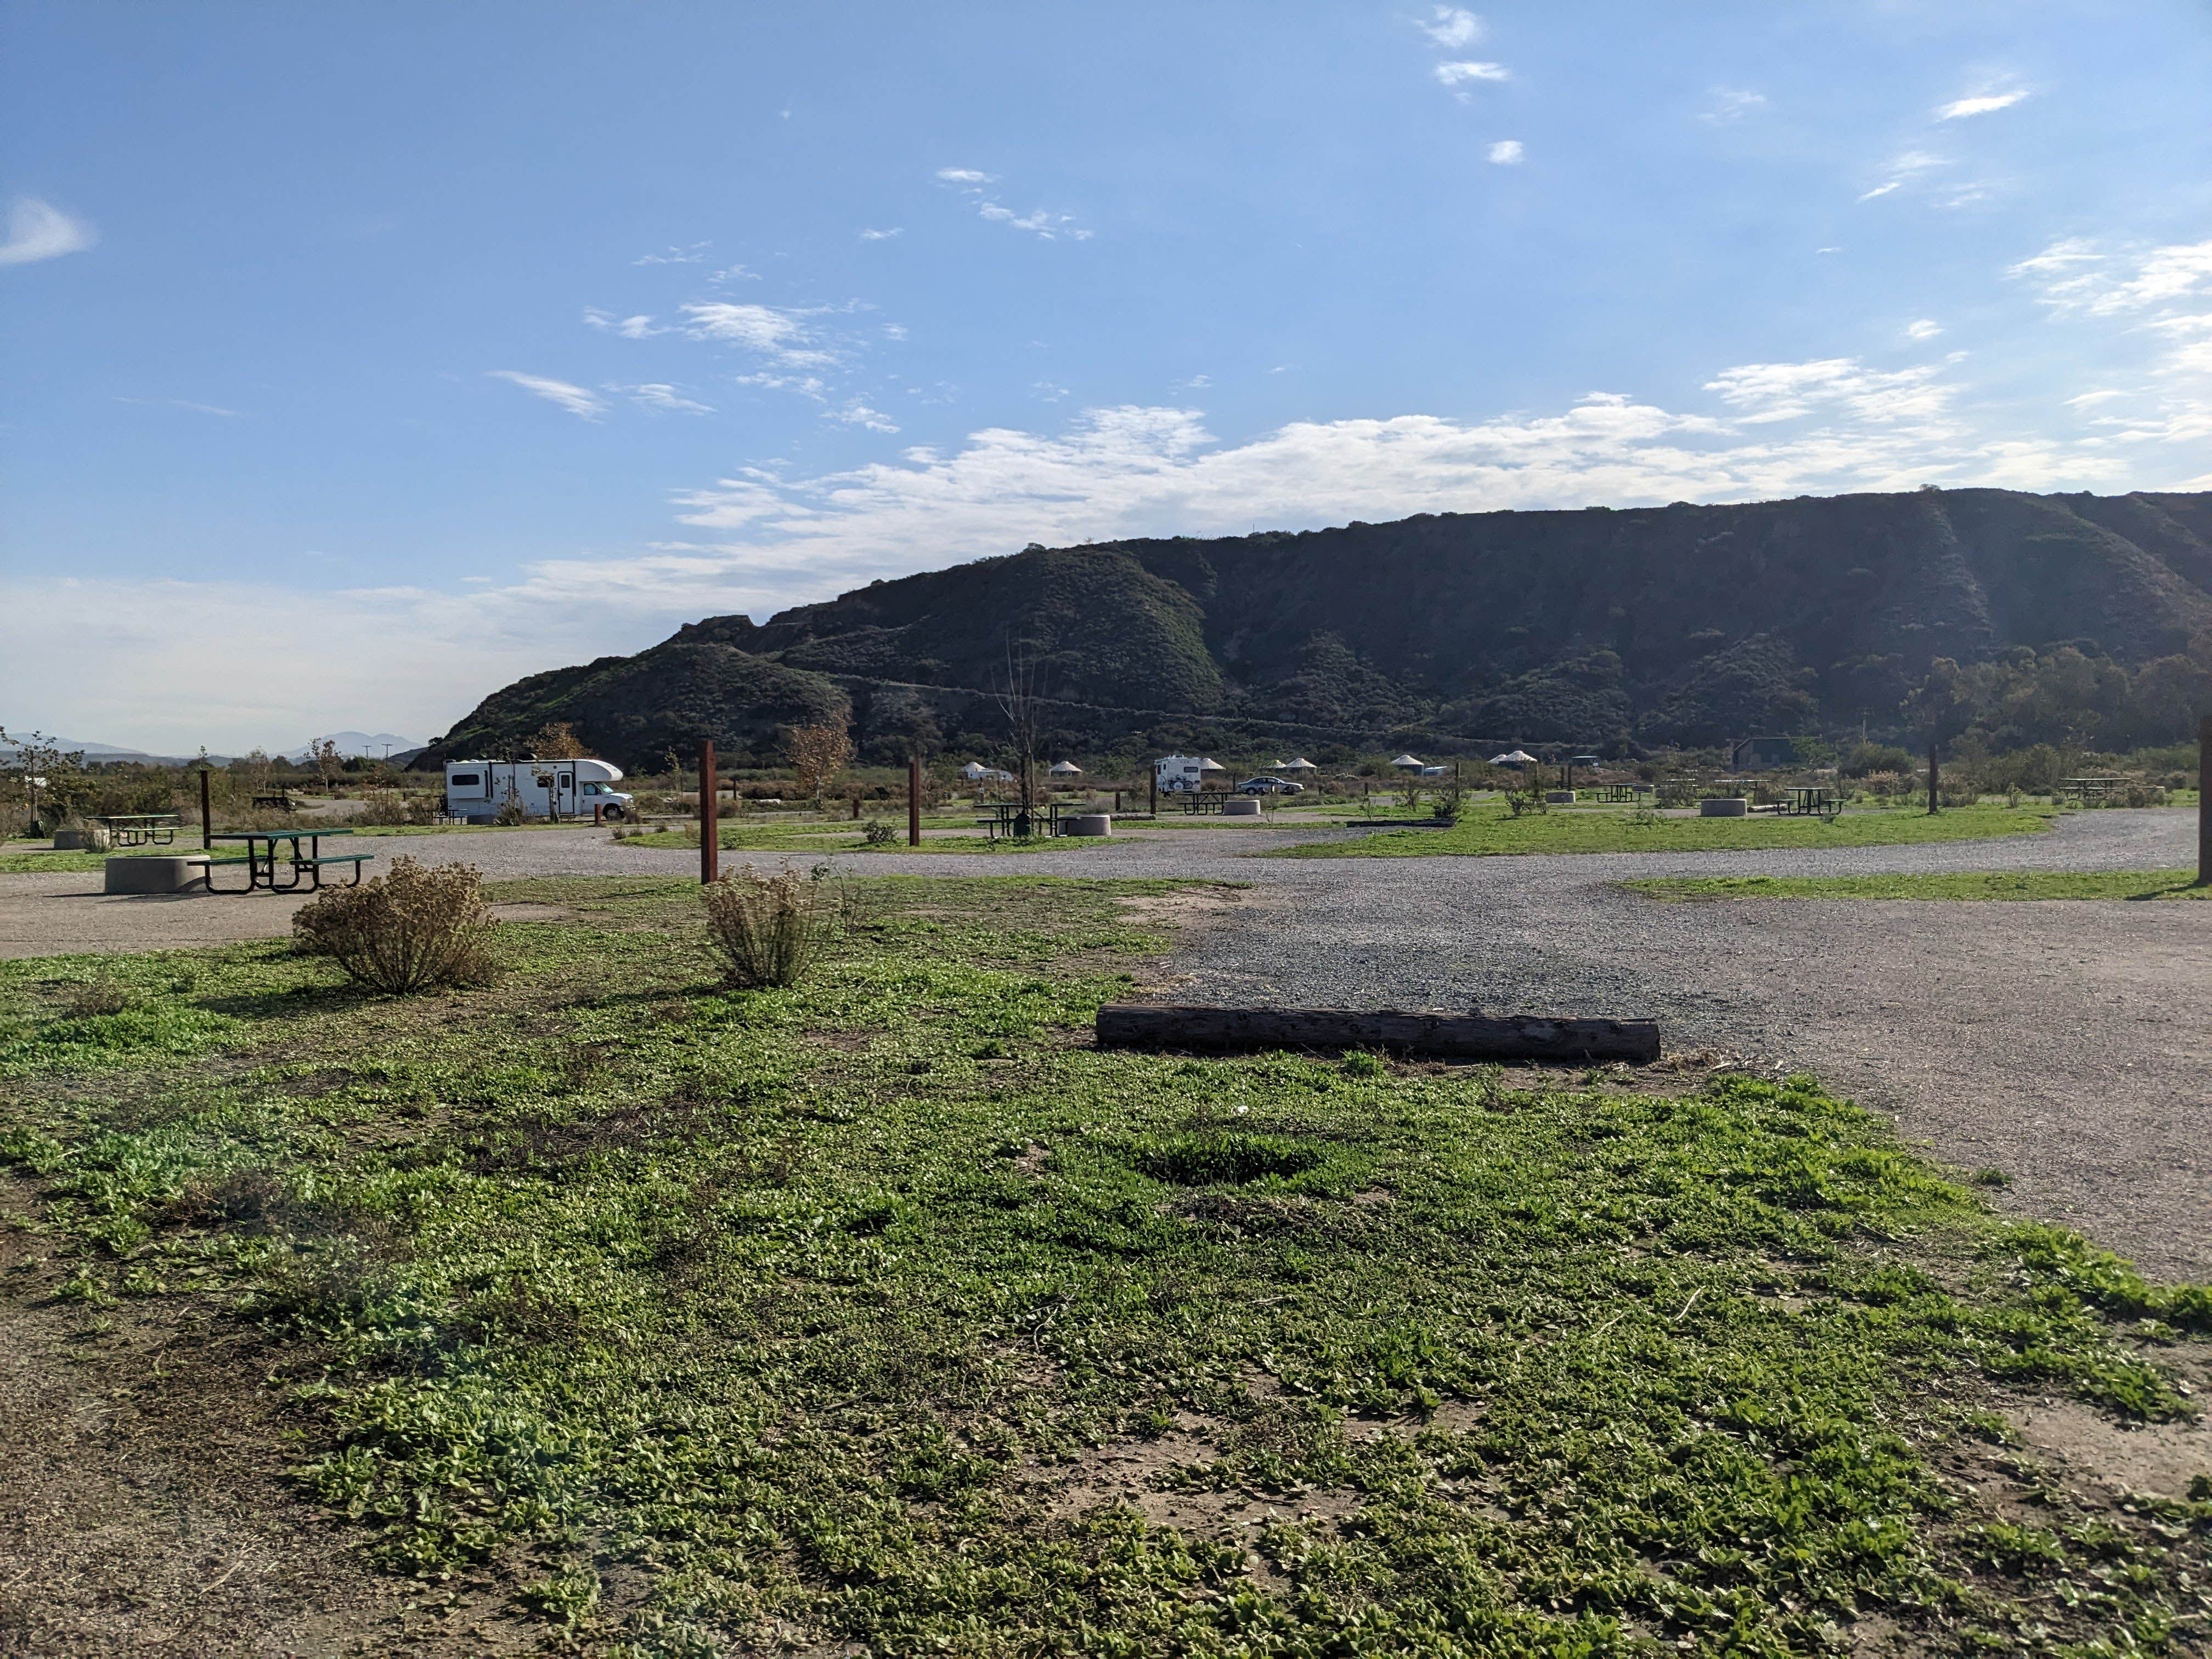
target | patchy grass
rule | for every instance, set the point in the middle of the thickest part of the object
(884, 1310)
(1489, 829)
(825, 836)
(1959, 884)
(24, 861)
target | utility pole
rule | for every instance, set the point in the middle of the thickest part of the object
(710, 835)
(1934, 781)
(914, 800)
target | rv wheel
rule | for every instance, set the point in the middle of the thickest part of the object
(611, 814)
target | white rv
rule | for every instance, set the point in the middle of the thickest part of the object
(1181, 773)
(478, 789)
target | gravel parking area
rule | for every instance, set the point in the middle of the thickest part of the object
(2067, 1044)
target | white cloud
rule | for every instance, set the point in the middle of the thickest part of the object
(966, 176)
(783, 335)
(733, 274)
(1456, 75)
(1881, 189)
(1730, 104)
(690, 255)
(2076, 275)
(1041, 222)
(657, 395)
(630, 328)
(39, 230)
(1925, 328)
(573, 398)
(1987, 103)
(1506, 152)
(882, 235)
(766, 538)
(894, 330)
(1450, 27)
(857, 413)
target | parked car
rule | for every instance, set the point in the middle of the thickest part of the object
(1267, 786)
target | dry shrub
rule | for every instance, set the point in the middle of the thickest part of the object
(768, 930)
(414, 927)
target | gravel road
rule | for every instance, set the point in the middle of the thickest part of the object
(2066, 1044)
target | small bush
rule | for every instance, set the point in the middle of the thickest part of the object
(99, 996)
(879, 834)
(414, 927)
(768, 930)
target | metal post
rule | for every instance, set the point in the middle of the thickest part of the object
(710, 834)
(2203, 797)
(914, 800)
(1153, 797)
(1934, 781)
(207, 814)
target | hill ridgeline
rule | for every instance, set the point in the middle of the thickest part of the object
(1655, 627)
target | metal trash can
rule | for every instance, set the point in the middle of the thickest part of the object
(1088, 823)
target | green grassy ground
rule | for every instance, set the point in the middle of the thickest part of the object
(858, 1307)
(764, 833)
(1960, 885)
(1488, 828)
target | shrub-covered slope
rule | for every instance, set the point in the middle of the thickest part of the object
(1678, 625)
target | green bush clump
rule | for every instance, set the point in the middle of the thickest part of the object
(1224, 1157)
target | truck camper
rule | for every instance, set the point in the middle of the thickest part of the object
(477, 790)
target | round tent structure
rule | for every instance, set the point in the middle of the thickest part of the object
(1513, 758)
(1301, 764)
(1067, 769)
(1409, 763)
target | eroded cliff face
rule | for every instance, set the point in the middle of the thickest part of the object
(1666, 625)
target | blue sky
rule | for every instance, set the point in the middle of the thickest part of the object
(358, 359)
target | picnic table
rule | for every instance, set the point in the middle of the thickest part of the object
(1617, 795)
(2087, 789)
(1007, 820)
(259, 858)
(1814, 800)
(139, 829)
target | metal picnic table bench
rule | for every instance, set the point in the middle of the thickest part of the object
(139, 829)
(259, 858)
(1005, 819)
(1812, 800)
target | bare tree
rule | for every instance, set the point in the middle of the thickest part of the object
(819, 754)
(1022, 705)
(324, 757)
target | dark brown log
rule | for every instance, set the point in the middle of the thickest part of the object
(1456, 1037)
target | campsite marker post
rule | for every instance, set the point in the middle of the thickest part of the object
(710, 839)
(1934, 781)
(914, 800)
(2204, 800)
(207, 816)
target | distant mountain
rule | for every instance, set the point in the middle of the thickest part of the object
(1679, 625)
(373, 746)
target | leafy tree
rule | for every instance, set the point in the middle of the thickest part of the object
(817, 755)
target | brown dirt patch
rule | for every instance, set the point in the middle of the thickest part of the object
(143, 1501)
(2110, 1460)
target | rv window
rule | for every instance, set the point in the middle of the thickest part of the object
(465, 780)
(567, 779)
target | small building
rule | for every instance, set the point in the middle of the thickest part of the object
(976, 772)
(1301, 764)
(1065, 769)
(1408, 762)
(1762, 754)
(1513, 758)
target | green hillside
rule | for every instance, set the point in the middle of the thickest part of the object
(2086, 618)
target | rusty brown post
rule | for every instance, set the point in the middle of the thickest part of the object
(207, 812)
(914, 800)
(710, 833)
(1152, 795)
(1934, 781)
(2204, 800)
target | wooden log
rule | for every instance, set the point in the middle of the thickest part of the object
(1456, 1037)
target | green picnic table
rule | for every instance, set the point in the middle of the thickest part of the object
(259, 858)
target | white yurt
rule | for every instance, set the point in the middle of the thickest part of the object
(1065, 769)
(1407, 763)
(1513, 758)
(1301, 764)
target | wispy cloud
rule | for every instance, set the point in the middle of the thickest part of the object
(1926, 328)
(659, 395)
(1451, 27)
(185, 404)
(1882, 190)
(1985, 103)
(855, 412)
(1506, 152)
(1043, 223)
(1730, 104)
(1907, 168)
(1764, 393)
(690, 255)
(573, 398)
(781, 334)
(1456, 77)
(39, 230)
(882, 235)
(630, 328)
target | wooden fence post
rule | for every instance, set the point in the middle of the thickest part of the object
(207, 813)
(1934, 781)
(2204, 800)
(914, 800)
(710, 829)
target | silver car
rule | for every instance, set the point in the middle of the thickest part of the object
(1267, 785)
